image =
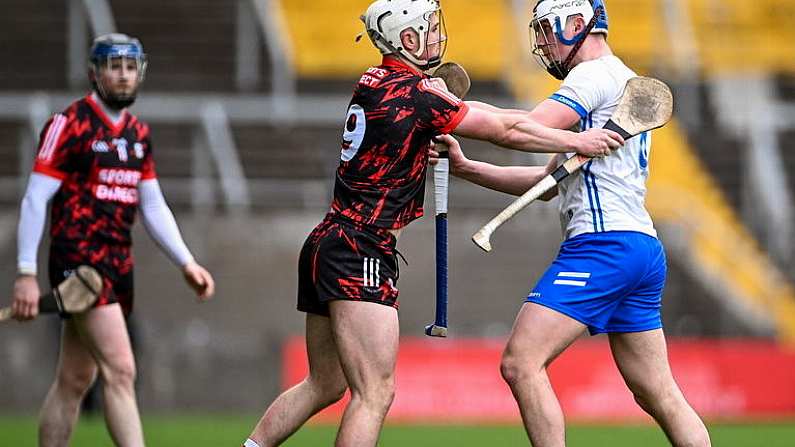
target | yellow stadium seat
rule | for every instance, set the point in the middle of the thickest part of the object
(736, 36)
(323, 33)
(682, 193)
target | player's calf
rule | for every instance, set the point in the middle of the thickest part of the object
(668, 406)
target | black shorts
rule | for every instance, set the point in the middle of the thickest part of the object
(117, 285)
(345, 260)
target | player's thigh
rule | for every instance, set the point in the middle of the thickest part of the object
(642, 359)
(540, 334)
(324, 362)
(76, 365)
(640, 309)
(104, 331)
(366, 335)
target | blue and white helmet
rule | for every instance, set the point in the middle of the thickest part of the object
(114, 46)
(551, 16)
(385, 20)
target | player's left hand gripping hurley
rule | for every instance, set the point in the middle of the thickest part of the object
(441, 179)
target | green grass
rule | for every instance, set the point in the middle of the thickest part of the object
(215, 431)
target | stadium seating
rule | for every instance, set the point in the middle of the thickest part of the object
(321, 49)
(683, 193)
(638, 26)
(191, 43)
(761, 32)
(32, 33)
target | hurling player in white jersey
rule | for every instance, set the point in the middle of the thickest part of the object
(610, 272)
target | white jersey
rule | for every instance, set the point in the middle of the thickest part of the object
(609, 193)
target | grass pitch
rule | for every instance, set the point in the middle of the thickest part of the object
(215, 431)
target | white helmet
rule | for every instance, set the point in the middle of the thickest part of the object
(385, 20)
(550, 17)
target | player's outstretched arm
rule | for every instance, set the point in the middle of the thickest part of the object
(162, 227)
(520, 132)
(492, 108)
(515, 180)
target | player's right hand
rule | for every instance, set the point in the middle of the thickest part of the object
(447, 143)
(200, 280)
(26, 298)
(597, 142)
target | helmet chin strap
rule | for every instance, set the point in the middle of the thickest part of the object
(560, 70)
(115, 102)
(430, 63)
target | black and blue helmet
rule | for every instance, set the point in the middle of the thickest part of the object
(114, 46)
(549, 21)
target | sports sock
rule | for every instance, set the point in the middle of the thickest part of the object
(250, 443)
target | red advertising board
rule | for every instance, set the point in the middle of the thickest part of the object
(458, 380)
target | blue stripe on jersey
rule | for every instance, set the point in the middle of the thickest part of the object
(590, 182)
(590, 198)
(584, 126)
(571, 103)
(593, 179)
(596, 193)
(643, 157)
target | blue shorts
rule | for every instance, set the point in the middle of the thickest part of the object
(611, 281)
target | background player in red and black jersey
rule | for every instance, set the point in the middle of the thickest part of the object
(95, 164)
(348, 267)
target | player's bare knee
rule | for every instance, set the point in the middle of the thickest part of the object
(76, 382)
(516, 369)
(328, 391)
(333, 395)
(381, 399)
(377, 394)
(119, 373)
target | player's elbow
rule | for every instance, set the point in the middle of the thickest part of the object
(511, 139)
(32, 203)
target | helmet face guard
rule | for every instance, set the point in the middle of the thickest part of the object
(387, 20)
(117, 50)
(547, 31)
(545, 48)
(436, 35)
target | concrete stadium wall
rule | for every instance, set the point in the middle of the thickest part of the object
(224, 355)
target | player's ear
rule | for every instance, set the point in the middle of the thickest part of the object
(409, 39)
(579, 24)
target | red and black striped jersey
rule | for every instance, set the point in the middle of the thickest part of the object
(100, 165)
(394, 114)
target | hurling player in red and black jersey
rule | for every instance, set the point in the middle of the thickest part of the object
(348, 267)
(94, 165)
